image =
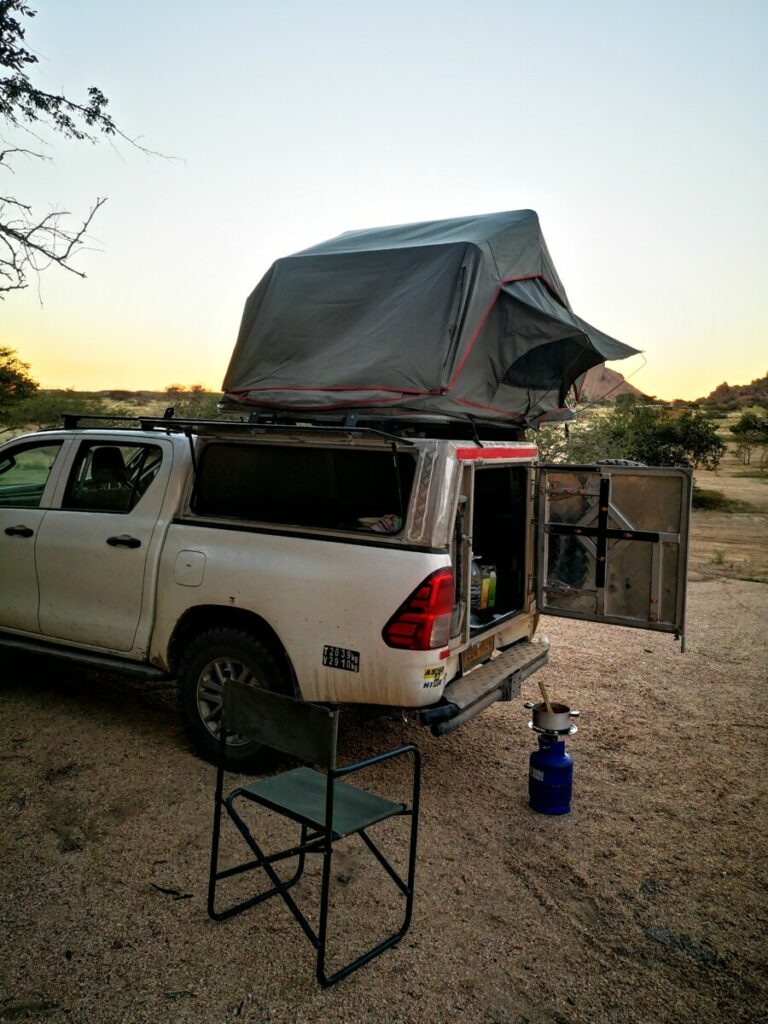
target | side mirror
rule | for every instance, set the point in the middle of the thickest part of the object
(7, 463)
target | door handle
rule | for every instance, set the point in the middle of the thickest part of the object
(124, 541)
(19, 531)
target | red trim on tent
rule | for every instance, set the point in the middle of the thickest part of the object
(333, 387)
(322, 408)
(473, 339)
(492, 408)
(384, 401)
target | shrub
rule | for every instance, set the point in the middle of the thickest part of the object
(649, 434)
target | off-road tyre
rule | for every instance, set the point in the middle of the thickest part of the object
(213, 656)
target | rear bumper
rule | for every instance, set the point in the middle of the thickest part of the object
(499, 679)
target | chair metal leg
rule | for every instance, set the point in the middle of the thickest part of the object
(261, 861)
(212, 876)
(217, 805)
(325, 888)
(279, 887)
(407, 890)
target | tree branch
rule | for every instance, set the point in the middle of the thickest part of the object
(29, 243)
(32, 245)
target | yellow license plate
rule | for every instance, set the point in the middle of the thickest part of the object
(476, 653)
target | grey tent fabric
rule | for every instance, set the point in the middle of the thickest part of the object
(458, 318)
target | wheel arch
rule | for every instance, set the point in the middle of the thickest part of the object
(203, 617)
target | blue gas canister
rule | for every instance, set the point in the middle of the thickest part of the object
(550, 777)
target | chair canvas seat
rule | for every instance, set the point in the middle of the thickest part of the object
(301, 794)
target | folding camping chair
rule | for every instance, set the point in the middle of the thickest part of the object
(326, 808)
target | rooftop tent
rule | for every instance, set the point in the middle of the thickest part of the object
(457, 318)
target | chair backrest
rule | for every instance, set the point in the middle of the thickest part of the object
(306, 731)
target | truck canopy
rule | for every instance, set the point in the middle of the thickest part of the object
(462, 318)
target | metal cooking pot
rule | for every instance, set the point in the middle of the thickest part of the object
(558, 720)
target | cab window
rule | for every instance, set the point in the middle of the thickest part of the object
(24, 473)
(111, 477)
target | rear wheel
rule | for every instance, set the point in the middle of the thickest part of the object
(210, 660)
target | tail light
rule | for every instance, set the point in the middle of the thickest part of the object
(423, 620)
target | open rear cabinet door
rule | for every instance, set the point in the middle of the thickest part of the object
(612, 544)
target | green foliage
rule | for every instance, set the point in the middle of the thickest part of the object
(751, 432)
(752, 424)
(663, 437)
(22, 102)
(16, 385)
(552, 442)
(631, 430)
(45, 409)
(193, 403)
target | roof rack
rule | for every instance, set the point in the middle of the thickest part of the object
(390, 428)
(203, 426)
(170, 424)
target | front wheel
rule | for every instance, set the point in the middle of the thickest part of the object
(210, 660)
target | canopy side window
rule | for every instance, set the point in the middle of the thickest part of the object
(341, 489)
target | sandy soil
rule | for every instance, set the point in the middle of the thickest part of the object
(732, 546)
(647, 903)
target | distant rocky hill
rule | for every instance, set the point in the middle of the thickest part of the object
(742, 394)
(602, 384)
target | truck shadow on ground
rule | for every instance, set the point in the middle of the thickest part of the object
(148, 710)
(41, 682)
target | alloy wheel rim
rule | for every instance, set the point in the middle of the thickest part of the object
(210, 692)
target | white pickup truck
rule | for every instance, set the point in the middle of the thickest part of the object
(339, 564)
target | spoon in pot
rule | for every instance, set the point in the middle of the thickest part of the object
(545, 695)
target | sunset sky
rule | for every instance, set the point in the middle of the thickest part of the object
(638, 132)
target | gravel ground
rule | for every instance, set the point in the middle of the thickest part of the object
(647, 903)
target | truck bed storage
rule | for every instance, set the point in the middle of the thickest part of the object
(499, 537)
